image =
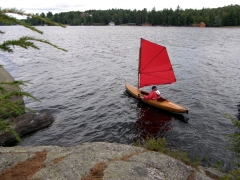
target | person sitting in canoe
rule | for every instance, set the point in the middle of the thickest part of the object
(154, 95)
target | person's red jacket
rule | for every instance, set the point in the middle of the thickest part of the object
(152, 96)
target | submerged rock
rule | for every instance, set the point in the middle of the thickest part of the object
(98, 160)
(25, 124)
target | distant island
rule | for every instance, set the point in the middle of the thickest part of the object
(205, 17)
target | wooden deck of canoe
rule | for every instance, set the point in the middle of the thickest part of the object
(161, 103)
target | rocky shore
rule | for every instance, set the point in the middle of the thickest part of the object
(28, 122)
(97, 160)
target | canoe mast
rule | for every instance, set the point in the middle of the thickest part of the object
(139, 66)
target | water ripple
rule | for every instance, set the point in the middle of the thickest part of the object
(84, 88)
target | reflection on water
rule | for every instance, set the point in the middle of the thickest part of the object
(153, 123)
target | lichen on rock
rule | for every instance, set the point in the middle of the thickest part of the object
(97, 160)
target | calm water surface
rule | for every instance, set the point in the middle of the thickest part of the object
(84, 88)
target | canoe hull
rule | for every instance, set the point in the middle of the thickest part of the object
(161, 103)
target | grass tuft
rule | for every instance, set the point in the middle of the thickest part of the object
(159, 145)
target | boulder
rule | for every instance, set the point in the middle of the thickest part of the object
(25, 124)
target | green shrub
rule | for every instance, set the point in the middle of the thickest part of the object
(235, 147)
(159, 145)
(233, 175)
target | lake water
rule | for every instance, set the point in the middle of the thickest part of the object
(84, 88)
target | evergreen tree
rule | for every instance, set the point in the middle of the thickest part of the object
(43, 16)
(96, 17)
(49, 15)
(228, 15)
(9, 108)
(217, 21)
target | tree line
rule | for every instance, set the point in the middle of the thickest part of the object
(212, 17)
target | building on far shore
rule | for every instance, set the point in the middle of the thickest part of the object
(201, 24)
(111, 24)
(146, 24)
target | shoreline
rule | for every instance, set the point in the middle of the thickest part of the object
(124, 25)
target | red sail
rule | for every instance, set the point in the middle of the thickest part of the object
(154, 65)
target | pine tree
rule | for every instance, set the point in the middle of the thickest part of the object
(9, 108)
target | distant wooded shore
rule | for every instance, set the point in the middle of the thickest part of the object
(208, 17)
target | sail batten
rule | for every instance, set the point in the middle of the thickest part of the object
(154, 65)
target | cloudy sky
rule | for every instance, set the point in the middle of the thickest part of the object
(55, 6)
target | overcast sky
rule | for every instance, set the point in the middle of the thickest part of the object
(55, 6)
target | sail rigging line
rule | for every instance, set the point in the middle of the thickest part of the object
(140, 49)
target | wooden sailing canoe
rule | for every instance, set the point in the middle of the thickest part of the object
(161, 103)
